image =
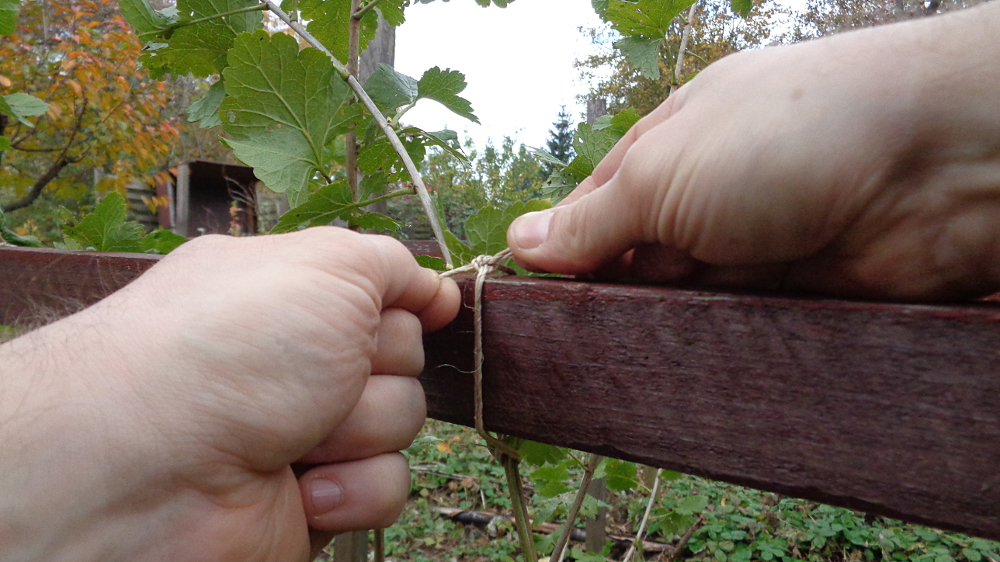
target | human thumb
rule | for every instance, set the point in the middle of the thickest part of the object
(581, 236)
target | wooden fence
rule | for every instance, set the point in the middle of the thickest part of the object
(892, 409)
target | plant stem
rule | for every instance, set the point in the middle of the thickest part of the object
(588, 473)
(363, 10)
(386, 197)
(645, 518)
(351, 139)
(521, 522)
(243, 10)
(397, 145)
(379, 545)
(680, 52)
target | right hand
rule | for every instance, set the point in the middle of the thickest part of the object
(866, 164)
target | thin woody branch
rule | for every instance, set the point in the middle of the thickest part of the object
(390, 133)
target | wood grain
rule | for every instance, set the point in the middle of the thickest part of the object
(886, 408)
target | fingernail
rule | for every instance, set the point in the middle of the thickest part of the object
(532, 229)
(327, 495)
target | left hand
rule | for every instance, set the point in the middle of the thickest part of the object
(161, 423)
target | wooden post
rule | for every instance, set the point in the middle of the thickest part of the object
(180, 205)
(351, 547)
(597, 533)
(596, 108)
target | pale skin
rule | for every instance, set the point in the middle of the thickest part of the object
(161, 423)
(862, 165)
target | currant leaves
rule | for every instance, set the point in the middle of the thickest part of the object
(333, 201)
(590, 144)
(644, 25)
(281, 110)
(393, 91)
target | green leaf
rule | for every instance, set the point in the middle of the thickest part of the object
(461, 253)
(972, 555)
(445, 139)
(392, 11)
(8, 16)
(600, 8)
(622, 122)
(21, 105)
(591, 147)
(161, 242)
(201, 48)
(147, 22)
(330, 22)
(741, 7)
(431, 262)
(381, 157)
(330, 202)
(540, 454)
(4, 143)
(205, 110)
(643, 54)
(549, 480)
(281, 109)
(619, 475)
(390, 89)
(106, 229)
(692, 505)
(443, 86)
(649, 19)
(487, 229)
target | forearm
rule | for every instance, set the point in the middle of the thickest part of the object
(55, 433)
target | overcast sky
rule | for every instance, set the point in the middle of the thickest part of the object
(518, 62)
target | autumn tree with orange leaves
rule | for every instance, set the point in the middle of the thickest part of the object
(104, 112)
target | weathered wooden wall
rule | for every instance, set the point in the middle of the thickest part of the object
(886, 408)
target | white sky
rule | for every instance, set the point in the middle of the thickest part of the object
(518, 62)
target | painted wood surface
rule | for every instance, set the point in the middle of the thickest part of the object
(886, 408)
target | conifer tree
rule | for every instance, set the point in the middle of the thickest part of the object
(560, 143)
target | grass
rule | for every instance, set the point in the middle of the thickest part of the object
(731, 523)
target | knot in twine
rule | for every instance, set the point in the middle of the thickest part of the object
(483, 265)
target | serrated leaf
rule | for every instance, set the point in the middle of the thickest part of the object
(741, 7)
(443, 86)
(330, 22)
(549, 480)
(643, 54)
(8, 16)
(373, 221)
(205, 110)
(461, 253)
(372, 185)
(431, 262)
(144, 19)
(487, 229)
(201, 48)
(692, 505)
(591, 147)
(390, 89)
(622, 122)
(600, 8)
(380, 156)
(161, 242)
(281, 109)
(445, 139)
(392, 11)
(650, 19)
(21, 105)
(330, 202)
(620, 476)
(540, 454)
(547, 158)
(106, 229)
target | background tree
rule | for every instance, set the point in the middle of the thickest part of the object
(823, 17)
(560, 142)
(494, 176)
(716, 32)
(79, 56)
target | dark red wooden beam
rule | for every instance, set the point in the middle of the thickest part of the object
(886, 408)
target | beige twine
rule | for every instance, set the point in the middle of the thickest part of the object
(483, 266)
